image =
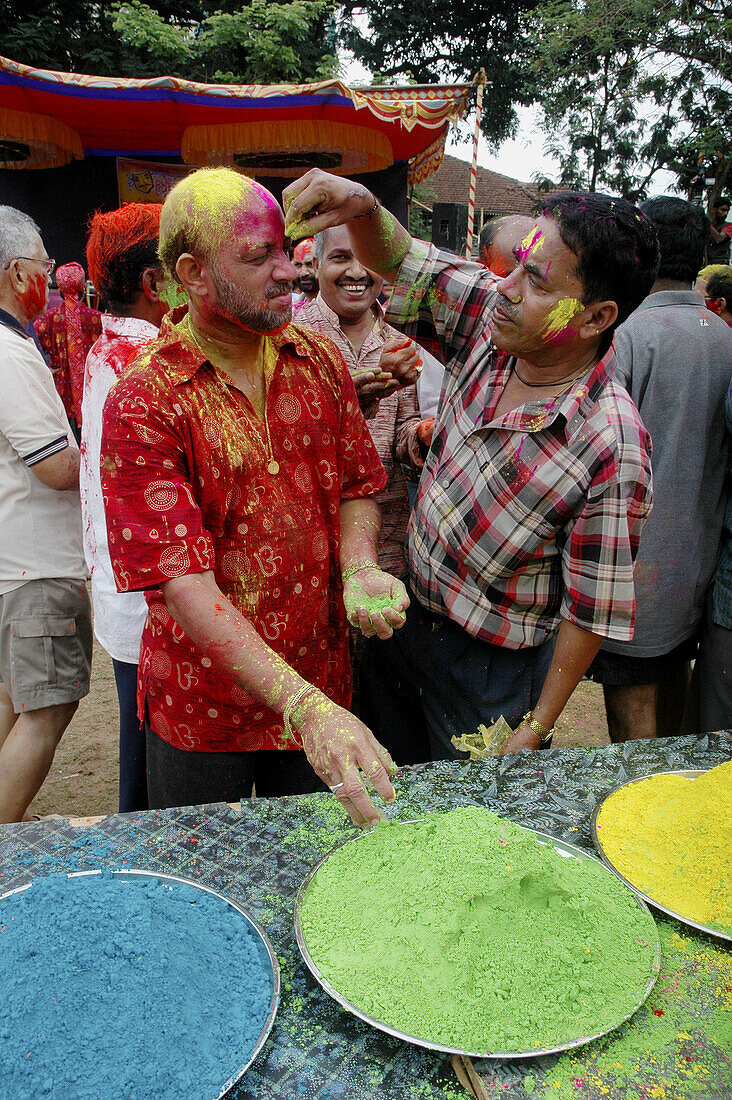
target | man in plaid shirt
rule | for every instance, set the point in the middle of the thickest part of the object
(522, 542)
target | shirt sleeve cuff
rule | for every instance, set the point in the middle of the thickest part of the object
(46, 450)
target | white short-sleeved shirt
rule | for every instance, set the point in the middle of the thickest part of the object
(40, 527)
(118, 616)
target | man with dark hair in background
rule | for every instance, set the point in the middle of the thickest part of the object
(675, 359)
(306, 281)
(125, 269)
(538, 478)
(720, 233)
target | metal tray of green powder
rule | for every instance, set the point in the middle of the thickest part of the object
(267, 959)
(562, 848)
(708, 928)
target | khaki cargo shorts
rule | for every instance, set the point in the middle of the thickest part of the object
(45, 643)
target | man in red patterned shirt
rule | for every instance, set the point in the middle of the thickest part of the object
(538, 479)
(238, 474)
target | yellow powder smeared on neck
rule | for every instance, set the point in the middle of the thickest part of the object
(672, 837)
(560, 316)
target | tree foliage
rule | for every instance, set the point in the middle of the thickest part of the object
(226, 41)
(433, 41)
(634, 86)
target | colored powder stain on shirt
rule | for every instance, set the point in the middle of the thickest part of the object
(126, 989)
(671, 836)
(466, 931)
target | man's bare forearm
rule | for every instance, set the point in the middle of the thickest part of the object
(360, 527)
(573, 655)
(379, 240)
(221, 633)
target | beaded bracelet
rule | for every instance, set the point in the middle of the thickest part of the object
(356, 568)
(290, 706)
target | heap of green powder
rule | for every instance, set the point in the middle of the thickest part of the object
(464, 930)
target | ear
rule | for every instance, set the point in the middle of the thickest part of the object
(151, 278)
(316, 264)
(597, 317)
(716, 305)
(194, 276)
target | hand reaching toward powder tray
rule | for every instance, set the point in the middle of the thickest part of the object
(342, 750)
(375, 602)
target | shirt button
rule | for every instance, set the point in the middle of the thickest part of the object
(446, 483)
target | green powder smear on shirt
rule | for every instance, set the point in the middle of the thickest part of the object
(466, 931)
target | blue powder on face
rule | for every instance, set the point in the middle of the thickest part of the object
(131, 989)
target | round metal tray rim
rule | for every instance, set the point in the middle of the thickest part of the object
(135, 872)
(543, 838)
(687, 773)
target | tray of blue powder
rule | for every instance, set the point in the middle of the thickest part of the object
(468, 934)
(126, 985)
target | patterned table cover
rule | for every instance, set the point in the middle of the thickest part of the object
(677, 1047)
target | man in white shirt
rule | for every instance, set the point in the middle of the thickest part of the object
(124, 267)
(45, 617)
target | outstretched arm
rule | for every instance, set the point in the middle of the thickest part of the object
(318, 200)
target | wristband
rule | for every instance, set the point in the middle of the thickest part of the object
(290, 706)
(356, 568)
(544, 735)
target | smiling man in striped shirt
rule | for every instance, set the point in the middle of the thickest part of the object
(538, 480)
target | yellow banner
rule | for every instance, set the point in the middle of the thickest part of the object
(146, 180)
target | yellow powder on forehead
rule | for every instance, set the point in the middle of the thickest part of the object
(205, 203)
(560, 316)
(672, 838)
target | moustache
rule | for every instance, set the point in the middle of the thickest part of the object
(506, 306)
(277, 289)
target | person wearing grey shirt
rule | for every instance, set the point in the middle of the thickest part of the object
(675, 359)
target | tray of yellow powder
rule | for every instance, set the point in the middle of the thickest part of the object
(467, 934)
(669, 836)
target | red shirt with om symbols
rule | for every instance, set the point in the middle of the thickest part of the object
(186, 488)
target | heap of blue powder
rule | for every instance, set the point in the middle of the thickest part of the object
(129, 989)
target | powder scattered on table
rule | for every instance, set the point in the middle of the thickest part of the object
(671, 836)
(131, 989)
(464, 930)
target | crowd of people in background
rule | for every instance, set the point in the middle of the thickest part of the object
(357, 496)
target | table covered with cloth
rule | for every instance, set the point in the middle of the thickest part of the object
(677, 1046)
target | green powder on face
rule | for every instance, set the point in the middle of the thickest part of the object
(464, 930)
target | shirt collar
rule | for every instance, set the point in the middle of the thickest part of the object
(573, 406)
(13, 323)
(183, 358)
(134, 328)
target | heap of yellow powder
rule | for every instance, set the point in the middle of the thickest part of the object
(671, 837)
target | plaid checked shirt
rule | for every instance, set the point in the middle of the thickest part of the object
(527, 517)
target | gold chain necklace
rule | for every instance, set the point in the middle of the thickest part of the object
(273, 466)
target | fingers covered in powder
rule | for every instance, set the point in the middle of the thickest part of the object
(342, 751)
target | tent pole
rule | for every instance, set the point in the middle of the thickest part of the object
(479, 81)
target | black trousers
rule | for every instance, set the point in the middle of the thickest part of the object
(178, 778)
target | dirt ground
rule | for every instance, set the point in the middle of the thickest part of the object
(83, 779)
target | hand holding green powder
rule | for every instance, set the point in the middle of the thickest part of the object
(375, 602)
